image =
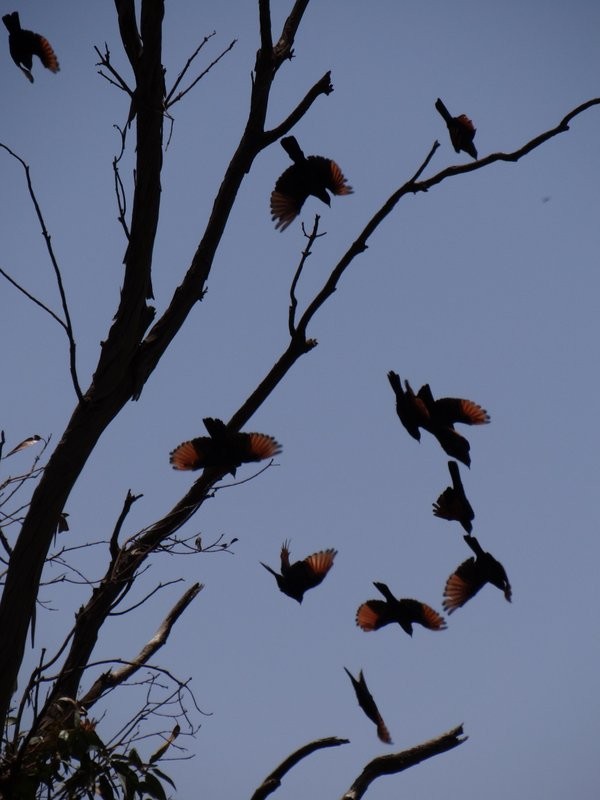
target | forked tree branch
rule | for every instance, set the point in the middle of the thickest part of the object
(57, 274)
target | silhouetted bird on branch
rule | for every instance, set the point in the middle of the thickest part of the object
(299, 577)
(23, 45)
(313, 175)
(452, 504)
(472, 575)
(223, 448)
(462, 130)
(437, 416)
(374, 614)
(368, 705)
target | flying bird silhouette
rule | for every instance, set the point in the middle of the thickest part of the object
(472, 575)
(307, 176)
(223, 448)
(452, 504)
(24, 45)
(461, 129)
(368, 705)
(411, 409)
(299, 577)
(437, 416)
(374, 614)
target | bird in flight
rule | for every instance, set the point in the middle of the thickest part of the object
(314, 175)
(452, 504)
(369, 706)
(374, 614)
(437, 416)
(461, 129)
(24, 45)
(299, 577)
(223, 448)
(472, 575)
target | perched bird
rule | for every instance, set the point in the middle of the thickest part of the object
(374, 614)
(461, 129)
(223, 448)
(368, 705)
(444, 413)
(25, 443)
(453, 503)
(299, 577)
(24, 45)
(472, 575)
(313, 175)
(410, 408)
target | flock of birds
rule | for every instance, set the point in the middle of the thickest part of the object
(226, 450)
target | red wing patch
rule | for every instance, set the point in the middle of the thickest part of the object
(456, 593)
(284, 209)
(46, 54)
(261, 446)
(369, 615)
(320, 563)
(186, 456)
(431, 619)
(338, 184)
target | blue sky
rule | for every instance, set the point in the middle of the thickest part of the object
(486, 287)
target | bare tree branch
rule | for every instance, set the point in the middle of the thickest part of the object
(273, 781)
(170, 102)
(57, 273)
(397, 762)
(115, 677)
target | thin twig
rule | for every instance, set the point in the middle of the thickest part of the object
(67, 322)
(305, 254)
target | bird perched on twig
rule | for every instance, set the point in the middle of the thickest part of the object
(461, 129)
(472, 575)
(374, 614)
(299, 577)
(223, 448)
(23, 45)
(452, 504)
(368, 705)
(313, 175)
(437, 416)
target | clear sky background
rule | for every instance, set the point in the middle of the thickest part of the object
(487, 288)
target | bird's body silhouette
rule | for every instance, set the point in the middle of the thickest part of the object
(312, 175)
(299, 577)
(438, 417)
(374, 614)
(472, 575)
(23, 45)
(223, 448)
(368, 705)
(461, 129)
(452, 504)
(411, 409)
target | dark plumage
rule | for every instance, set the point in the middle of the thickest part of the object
(368, 705)
(313, 175)
(224, 449)
(23, 45)
(411, 410)
(437, 416)
(374, 614)
(472, 575)
(452, 504)
(299, 577)
(461, 129)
